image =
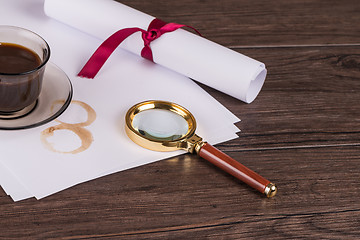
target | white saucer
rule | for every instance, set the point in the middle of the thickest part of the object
(56, 88)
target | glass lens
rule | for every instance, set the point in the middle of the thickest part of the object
(160, 125)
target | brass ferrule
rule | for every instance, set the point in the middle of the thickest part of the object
(198, 146)
(193, 144)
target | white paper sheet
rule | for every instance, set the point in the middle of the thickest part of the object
(126, 80)
(12, 186)
(189, 54)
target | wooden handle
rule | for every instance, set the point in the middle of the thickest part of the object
(237, 170)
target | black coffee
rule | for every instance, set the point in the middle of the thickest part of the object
(17, 89)
(17, 59)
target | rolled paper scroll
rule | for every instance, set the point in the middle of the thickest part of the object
(184, 52)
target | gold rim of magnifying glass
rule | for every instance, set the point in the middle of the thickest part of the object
(159, 145)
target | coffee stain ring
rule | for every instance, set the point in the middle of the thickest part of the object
(85, 135)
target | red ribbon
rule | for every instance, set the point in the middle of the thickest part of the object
(156, 28)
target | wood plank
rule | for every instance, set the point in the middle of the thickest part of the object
(236, 23)
(310, 98)
(186, 197)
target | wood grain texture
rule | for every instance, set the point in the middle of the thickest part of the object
(310, 98)
(302, 132)
(263, 23)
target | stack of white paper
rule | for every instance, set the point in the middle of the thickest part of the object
(28, 168)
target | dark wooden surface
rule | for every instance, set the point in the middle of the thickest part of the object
(302, 132)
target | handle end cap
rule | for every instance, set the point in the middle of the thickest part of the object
(270, 190)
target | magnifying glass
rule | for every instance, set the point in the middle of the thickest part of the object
(165, 126)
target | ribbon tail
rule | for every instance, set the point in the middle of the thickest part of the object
(98, 59)
(147, 53)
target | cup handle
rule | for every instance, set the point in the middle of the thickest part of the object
(236, 169)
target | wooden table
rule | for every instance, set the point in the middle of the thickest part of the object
(302, 132)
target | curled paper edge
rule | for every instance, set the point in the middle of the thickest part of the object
(256, 84)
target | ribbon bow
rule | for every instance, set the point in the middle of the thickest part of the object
(156, 28)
